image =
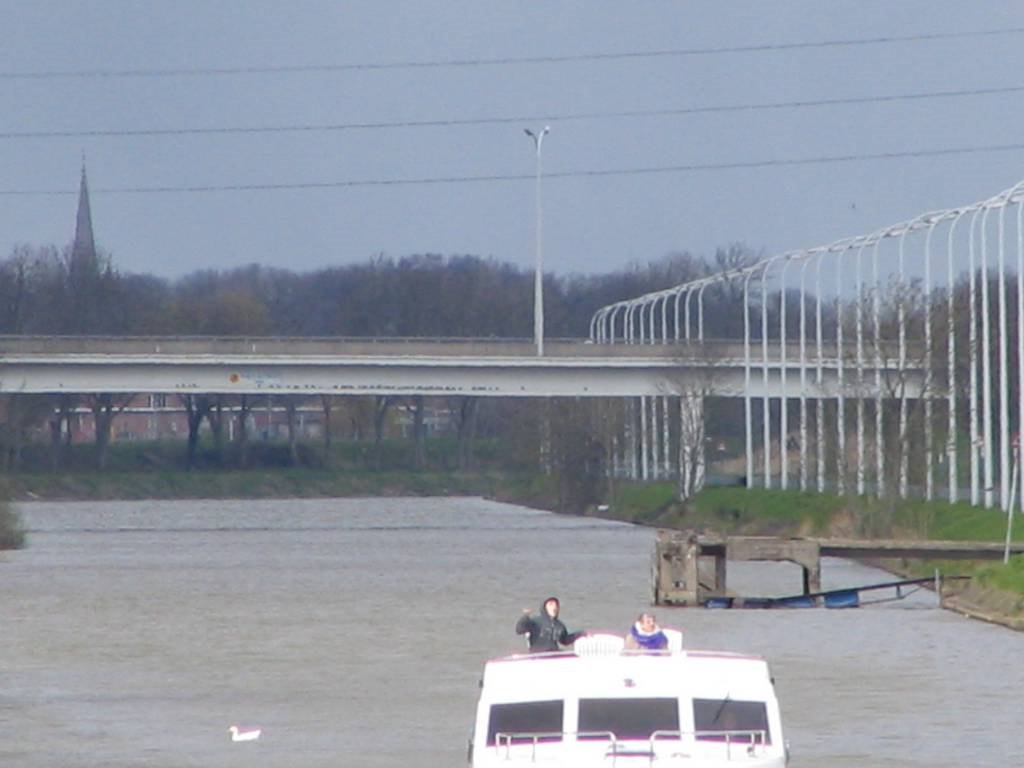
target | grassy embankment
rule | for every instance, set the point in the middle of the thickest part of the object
(299, 482)
(156, 470)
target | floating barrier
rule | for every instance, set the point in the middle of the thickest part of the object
(848, 597)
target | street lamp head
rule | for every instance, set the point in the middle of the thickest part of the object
(538, 137)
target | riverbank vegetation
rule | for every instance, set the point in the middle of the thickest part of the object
(757, 512)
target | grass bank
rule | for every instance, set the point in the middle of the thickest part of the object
(158, 470)
(299, 482)
(756, 512)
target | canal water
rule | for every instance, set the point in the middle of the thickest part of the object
(353, 632)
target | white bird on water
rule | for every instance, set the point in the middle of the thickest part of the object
(244, 734)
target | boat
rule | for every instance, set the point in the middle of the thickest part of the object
(601, 704)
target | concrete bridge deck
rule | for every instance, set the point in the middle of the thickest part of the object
(481, 367)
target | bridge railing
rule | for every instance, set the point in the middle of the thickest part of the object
(710, 351)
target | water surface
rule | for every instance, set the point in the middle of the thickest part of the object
(354, 632)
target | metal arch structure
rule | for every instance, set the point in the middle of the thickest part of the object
(959, 327)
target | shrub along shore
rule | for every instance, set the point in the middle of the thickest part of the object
(995, 593)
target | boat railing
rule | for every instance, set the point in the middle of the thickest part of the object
(738, 744)
(750, 741)
(532, 739)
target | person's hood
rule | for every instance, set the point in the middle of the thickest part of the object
(545, 601)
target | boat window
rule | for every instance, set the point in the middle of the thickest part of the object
(628, 718)
(526, 718)
(713, 718)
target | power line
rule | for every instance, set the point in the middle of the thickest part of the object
(499, 61)
(567, 117)
(651, 170)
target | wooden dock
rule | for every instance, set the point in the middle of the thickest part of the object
(689, 569)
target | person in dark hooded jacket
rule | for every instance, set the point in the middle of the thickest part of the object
(545, 630)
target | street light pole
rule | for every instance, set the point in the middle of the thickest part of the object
(538, 279)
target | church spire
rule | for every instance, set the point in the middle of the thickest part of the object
(85, 245)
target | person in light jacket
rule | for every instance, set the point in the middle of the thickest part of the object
(546, 632)
(646, 635)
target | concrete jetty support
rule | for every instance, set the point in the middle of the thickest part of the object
(688, 569)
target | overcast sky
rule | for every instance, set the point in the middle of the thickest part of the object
(329, 66)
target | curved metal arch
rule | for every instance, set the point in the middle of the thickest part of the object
(597, 324)
(612, 318)
(628, 322)
(1004, 377)
(972, 353)
(700, 311)
(664, 319)
(783, 377)
(764, 267)
(637, 317)
(747, 405)
(988, 470)
(802, 469)
(951, 449)
(1020, 330)
(858, 324)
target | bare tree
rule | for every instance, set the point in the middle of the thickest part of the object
(327, 406)
(419, 454)
(105, 407)
(380, 412)
(465, 410)
(576, 455)
(60, 429)
(196, 409)
(20, 413)
(244, 409)
(693, 383)
(216, 418)
(290, 407)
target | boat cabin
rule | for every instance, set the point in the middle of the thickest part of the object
(603, 705)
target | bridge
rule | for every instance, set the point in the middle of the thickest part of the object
(903, 370)
(412, 366)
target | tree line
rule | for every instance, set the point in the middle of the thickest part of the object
(49, 291)
(44, 290)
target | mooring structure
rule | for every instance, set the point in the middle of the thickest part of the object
(690, 568)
